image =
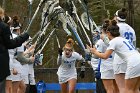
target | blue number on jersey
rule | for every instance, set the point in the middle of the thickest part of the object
(129, 45)
(128, 36)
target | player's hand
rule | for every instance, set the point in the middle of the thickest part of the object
(32, 58)
(91, 48)
(15, 72)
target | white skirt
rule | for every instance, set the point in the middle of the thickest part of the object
(132, 72)
(107, 74)
(9, 77)
(27, 79)
(66, 79)
(16, 77)
(119, 68)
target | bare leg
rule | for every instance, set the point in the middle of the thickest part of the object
(22, 87)
(8, 86)
(120, 82)
(132, 85)
(108, 84)
(116, 89)
(72, 84)
(64, 87)
(15, 86)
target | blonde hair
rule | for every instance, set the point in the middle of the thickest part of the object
(1, 12)
(69, 43)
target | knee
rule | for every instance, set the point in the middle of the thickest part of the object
(71, 90)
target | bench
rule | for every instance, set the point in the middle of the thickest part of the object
(79, 86)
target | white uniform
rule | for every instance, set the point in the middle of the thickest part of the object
(125, 50)
(25, 73)
(28, 74)
(31, 75)
(18, 66)
(106, 67)
(67, 69)
(95, 60)
(127, 32)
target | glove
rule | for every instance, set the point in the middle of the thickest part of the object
(97, 74)
(38, 59)
(82, 74)
(60, 51)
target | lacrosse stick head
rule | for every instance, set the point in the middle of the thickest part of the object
(96, 35)
(84, 19)
(30, 1)
(38, 59)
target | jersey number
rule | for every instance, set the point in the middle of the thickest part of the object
(128, 36)
(129, 45)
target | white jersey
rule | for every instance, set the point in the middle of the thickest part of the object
(127, 32)
(125, 50)
(17, 64)
(31, 69)
(95, 61)
(106, 64)
(67, 67)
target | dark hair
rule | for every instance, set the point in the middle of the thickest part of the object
(122, 13)
(7, 19)
(113, 29)
(16, 22)
(105, 24)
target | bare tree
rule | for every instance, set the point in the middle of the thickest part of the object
(131, 12)
(3, 4)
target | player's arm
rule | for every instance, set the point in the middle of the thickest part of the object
(104, 55)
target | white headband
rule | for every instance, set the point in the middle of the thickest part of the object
(120, 19)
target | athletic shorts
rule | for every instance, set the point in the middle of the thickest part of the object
(133, 72)
(27, 79)
(66, 79)
(119, 68)
(107, 74)
(16, 77)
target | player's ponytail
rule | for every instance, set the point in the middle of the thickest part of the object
(69, 43)
(113, 29)
(121, 14)
(105, 24)
(113, 23)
